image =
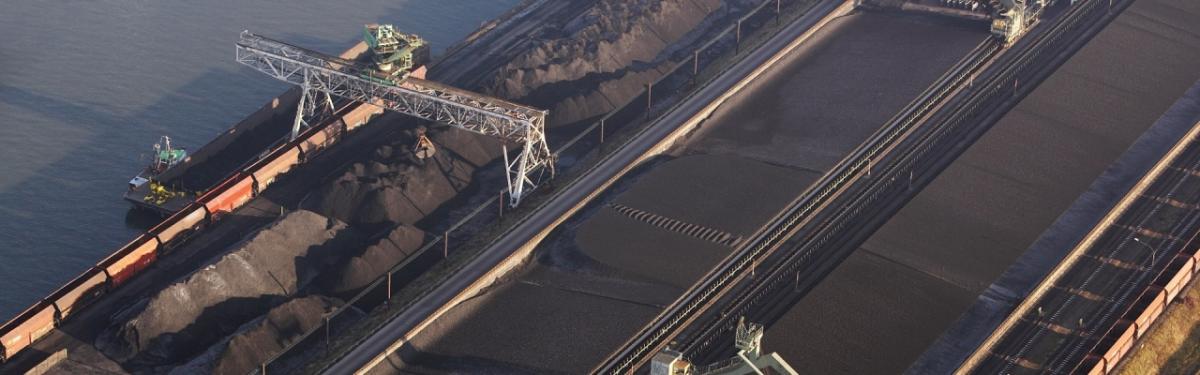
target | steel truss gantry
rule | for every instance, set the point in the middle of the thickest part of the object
(320, 75)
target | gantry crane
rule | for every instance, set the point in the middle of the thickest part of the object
(321, 76)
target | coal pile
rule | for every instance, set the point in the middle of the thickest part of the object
(609, 51)
(280, 282)
(268, 336)
(261, 272)
(394, 187)
(362, 269)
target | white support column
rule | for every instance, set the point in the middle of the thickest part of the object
(301, 113)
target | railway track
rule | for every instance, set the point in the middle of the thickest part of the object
(801, 211)
(648, 141)
(900, 155)
(813, 259)
(1097, 291)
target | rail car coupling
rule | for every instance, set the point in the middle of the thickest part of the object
(396, 82)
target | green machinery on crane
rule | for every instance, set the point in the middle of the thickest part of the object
(395, 54)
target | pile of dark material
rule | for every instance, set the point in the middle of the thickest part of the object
(601, 58)
(362, 269)
(580, 68)
(285, 324)
(261, 272)
(266, 291)
(394, 187)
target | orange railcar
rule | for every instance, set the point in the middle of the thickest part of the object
(29, 326)
(266, 172)
(80, 292)
(132, 261)
(239, 190)
(179, 225)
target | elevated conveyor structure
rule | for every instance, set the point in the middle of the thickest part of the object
(1009, 19)
(318, 73)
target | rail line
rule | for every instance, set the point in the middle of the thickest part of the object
(512, 246)
(1140, 279)
(995, 91)
(800, 211)
(1104, 289)
(793, 262)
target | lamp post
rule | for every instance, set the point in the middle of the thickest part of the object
(1153, 251)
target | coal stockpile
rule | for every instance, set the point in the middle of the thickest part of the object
(395, 187)
(374, 213)
(270, 334)
(607, 273)
(584, 55)
(360, 270)
(186, 317)
(591, 63)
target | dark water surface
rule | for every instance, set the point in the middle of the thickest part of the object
(87, 87)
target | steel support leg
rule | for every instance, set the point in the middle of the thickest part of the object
(302, 112)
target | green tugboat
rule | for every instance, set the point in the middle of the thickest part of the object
(164, 157)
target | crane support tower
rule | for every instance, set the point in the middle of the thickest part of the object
(1008, 19)
(403, 90)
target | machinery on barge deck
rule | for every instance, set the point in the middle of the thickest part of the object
(1008, 19)
(164, 157)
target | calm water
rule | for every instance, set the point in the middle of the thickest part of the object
(88, 86)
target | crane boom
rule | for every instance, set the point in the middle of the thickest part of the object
(316, 72)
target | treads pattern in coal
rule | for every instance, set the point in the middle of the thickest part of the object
(707, 234)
